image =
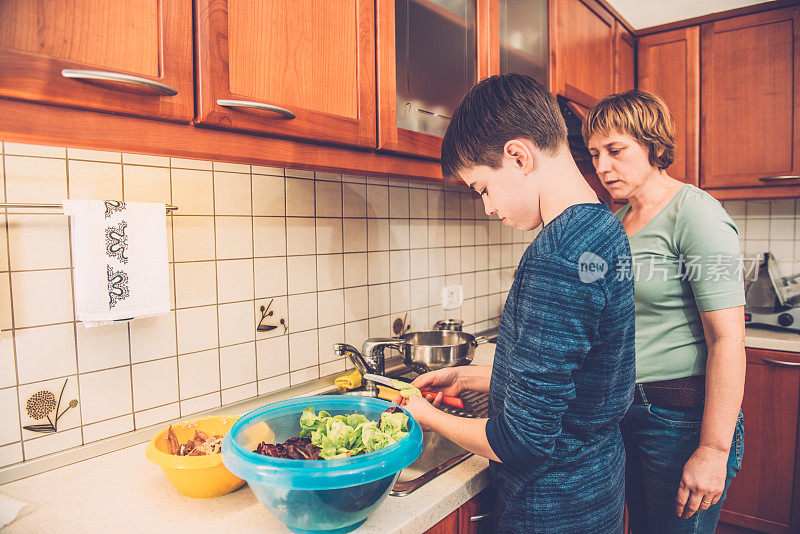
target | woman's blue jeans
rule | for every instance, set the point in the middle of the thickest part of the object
(658, 442)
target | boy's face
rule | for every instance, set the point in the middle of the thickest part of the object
(508, 192)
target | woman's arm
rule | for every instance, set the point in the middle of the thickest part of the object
(705, 472)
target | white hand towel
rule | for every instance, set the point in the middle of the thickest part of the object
(119, 253)
(11, 509)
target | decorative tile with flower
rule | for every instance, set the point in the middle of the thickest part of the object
(42, 404)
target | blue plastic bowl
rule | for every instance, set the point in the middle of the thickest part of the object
(330, 496)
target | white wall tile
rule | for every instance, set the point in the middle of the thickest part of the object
(269, 171)
(356, 303)
(354, 200)
(400, 296)
(232, 193)
(377, 234)
(356, 333)
(146, 184)
(9, 407)
(52, 443)
(90, 179)
(399, 203)
(273, 384)
(328, 199)
(399, 234)
(299, 197)
(355, 269)
(304, 375)
(332, 368)
(193, 192)
(330, 307)
(237, 365)
(378, 300)
(419, 263)
(418, 233)
(329, 236)
(105, 394)
(32, 412)
(272, 357)
(269, 236)
(231, 167)
(8, 366)
(302, 311)
(235, 280)
(435, 233)
(239, 393)
(419, 293)
(378, 267)
(106, 429)
(355, 235)
(303, 350)
(153, 416)
(234, 237)
(195, 284)
(399, 264)
(38, 242)
(143, 159)
(10, 454)
(269, 195)
(377, 201)
(35, 180)
(155, 383)
(193, 238)
(330, 272)
(327, 338)
(300, 236)
(182, 163)
(327, 176)
(236, 323)
(435, 204)
(270, 277)
(300, 173)
(197, 329)
(102, 347)
(279, 306)
(34, 150)
(200, 404)
(57, 342)
(153, 337)
(199, 373)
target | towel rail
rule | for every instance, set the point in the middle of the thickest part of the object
(53, 206)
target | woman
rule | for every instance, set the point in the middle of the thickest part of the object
(683, 433)
(562, 376)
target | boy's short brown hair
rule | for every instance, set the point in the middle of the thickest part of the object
(495, 111)
(639, 114)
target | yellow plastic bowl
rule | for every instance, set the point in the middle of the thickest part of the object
(195, 476)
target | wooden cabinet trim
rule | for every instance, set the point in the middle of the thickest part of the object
(488, 38)
(26, 122)
(691, 36)
(213, 83)
(36, 77)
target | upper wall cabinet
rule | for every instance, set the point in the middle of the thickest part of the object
(624, 59)
(289, 68)
(524, 38)
(582, 44)
(132, 57)
(427, 61)
(751, 100)
(669, 66)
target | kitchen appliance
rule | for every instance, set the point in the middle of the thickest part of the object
(448, 324)
(771, 299)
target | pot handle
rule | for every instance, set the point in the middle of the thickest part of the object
(480, 340)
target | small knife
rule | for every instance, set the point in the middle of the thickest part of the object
(394, 383)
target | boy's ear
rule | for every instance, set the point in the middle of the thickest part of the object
(521, 154)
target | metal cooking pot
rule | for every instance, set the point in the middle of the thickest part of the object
(448, 324)
(435, 349)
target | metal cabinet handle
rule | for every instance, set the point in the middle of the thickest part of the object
(256, 105)
(117, 77)
(778, 178)
(480, 517)
(779, 363)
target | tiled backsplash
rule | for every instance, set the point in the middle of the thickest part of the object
(769, 226)
(338, 257)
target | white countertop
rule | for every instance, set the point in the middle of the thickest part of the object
(763, 338)
(123, 491)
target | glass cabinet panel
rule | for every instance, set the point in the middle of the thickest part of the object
(523, 38)
(436, 55)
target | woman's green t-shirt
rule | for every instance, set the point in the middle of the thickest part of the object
(686, 260)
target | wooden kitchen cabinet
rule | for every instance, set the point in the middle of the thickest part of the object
(751, 100)
(132, 57)
(582, 35)
(302, 69)
(472, 517)
(764, 495)
(669, 66)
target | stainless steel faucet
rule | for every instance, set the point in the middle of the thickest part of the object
(371, 359)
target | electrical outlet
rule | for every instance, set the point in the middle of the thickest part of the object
(452, 296)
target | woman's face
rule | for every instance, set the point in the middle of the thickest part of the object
(506, 192)
(621, 163)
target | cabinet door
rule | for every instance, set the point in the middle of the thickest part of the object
(624, 59)
(132, 57)
(290, 68)
(751, 100)
(427, 61)
(760, 496)
(669, 66)
(476, 515)
(524, 38)
(583, 49)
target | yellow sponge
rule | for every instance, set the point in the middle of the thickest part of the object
(349, 380)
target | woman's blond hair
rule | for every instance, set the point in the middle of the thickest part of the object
(639, 114)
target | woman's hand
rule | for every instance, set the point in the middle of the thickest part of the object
(703, 481)
(448, 381)
(420, 409)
